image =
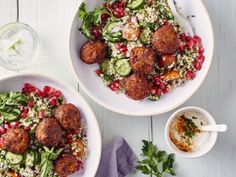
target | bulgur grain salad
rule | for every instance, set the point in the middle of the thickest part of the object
(140, 49)
(40, 134)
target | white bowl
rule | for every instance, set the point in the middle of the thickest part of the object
(94, 87)
(15, 83)
(206, 147)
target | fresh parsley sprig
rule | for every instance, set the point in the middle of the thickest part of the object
(155, 162)
(47, 158)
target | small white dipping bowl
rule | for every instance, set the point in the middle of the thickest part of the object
(15, 83)
(206, 147)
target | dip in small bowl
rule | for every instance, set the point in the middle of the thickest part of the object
(183, 134)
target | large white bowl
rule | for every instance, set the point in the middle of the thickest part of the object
(93, 85)
(15, 83)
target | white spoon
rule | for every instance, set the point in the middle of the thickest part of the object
(183, 22)
(214, 128)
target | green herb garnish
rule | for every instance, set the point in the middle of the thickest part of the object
(190, 127)
(155, 162)
(47, 158)
(90, 19)
(9, 104)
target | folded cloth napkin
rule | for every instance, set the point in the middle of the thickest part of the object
(117, 160)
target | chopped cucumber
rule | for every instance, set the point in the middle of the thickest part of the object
(145, 24)
(107, 67)
(110, 28)
(136, 4)
(123, 67)
(13, 158)
(29, 158)
(145, 36)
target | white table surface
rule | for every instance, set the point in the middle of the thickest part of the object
(52, 18)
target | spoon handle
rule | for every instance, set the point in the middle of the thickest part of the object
(214, 128)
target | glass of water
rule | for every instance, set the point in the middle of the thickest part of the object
(19, 46)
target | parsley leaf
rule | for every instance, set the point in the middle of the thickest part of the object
(155, 162)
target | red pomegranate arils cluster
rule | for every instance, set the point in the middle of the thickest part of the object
(114, 86)
(121, 47)
(117, 8)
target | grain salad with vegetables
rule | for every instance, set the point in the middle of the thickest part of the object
(41, 135)
(140, 48)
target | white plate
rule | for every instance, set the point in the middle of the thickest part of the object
(15, 83)
(94, 87)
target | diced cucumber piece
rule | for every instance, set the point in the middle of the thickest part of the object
(145, 36)
(13, 158)
(123, 67)
(9, 117)
(110, 28)
(136, 4)
(107, 67)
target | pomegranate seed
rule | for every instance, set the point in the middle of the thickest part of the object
(57, 93)
(69, 136)
(124, 49)
(25, 110)
(162, 85)
(53, 101)
(2, 130)
(157, 79)
(96, 32)
(104, 17)
(166, 90)
(188, 38)
(153, 91)
(46, 89)
(190, 75)
(23, 115)
(44, 94)
(98, 71)
(181, 48)
(201, 59)
(15, 124)
(158, 92)
(121, 4)
(31, 89)
(197, 37)
(201, 51)
(31, 104)
(197, 66)
(27, 128)
(189, 44)
(38, 92)
(41, 114)
(183, 37)
(116, 14)
(114, 5)
(74, 132)
(27, 85)
(7, 126)
(116, 84)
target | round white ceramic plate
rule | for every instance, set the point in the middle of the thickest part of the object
(15, 83)
(94, 87)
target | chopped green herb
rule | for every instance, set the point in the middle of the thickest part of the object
(155, 162)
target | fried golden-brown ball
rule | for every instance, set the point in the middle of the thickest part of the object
(137, 87)
(66, 165)
(16, 140)
(142, 59)
(49, 132)
(165, 39)
(68, 115)
(93, 52)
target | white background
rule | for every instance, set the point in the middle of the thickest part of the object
(52, 18)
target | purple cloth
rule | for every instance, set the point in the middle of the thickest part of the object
(118, 160)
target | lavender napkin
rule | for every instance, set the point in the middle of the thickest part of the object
(118, 160)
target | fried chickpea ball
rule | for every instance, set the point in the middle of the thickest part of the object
(137, 87)
(142, 59)
(66, 165)
(165, 39)
(93, 52)
(68, 115)
(16, 140)
(49, 132)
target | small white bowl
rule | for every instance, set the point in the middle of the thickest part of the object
(15, 83)
(207, 146)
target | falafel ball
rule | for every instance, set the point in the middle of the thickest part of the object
(165, 39)
(16, 140)
(49, 132)
(142, 59)
(66, 165)
(68, 115)
(137, 87)
(93, 52)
